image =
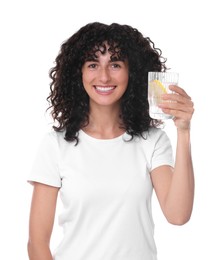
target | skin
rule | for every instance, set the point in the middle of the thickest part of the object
(42, 214)
(174, 186)
(103, 74)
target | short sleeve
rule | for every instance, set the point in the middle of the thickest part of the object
(163, 152)
(45, 168)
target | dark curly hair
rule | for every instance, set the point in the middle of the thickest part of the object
(68, 99)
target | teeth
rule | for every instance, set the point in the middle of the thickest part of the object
(104, 89)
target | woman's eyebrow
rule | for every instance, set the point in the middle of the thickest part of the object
(91, 59)
(112, 59)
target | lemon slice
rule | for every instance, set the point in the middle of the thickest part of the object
(156, 88)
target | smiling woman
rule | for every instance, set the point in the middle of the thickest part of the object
(105, 80)
(106, 154)
(104, 51)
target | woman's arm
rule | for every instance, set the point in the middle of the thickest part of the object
(42, 215)
(175, 187)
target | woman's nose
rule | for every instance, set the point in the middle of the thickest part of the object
(104, 75)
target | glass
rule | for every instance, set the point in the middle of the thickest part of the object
(158, 84)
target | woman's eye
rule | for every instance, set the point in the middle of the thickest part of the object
(115, 66)
(92, 66)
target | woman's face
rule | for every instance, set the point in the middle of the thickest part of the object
(105, 81)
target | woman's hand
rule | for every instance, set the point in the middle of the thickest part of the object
(181, 107)
(177, 191)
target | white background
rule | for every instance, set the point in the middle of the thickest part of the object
(190, 34)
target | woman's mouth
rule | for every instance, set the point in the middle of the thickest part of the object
(104, 89)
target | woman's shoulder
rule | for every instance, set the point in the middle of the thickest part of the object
(153, 134)
(53, 136)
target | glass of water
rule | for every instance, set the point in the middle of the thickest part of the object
(158, 84)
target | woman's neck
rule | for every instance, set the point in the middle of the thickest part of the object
(104, 123)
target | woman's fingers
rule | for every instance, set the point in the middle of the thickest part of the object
(179, 90)
(179, 105)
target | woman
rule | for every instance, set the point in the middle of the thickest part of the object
(106, 154)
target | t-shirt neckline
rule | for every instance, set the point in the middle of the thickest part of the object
(94, 139)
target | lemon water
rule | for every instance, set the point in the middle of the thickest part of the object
(154, 98)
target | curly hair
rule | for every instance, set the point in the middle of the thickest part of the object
(68, 99)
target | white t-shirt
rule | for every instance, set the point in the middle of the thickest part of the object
(106, 191)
